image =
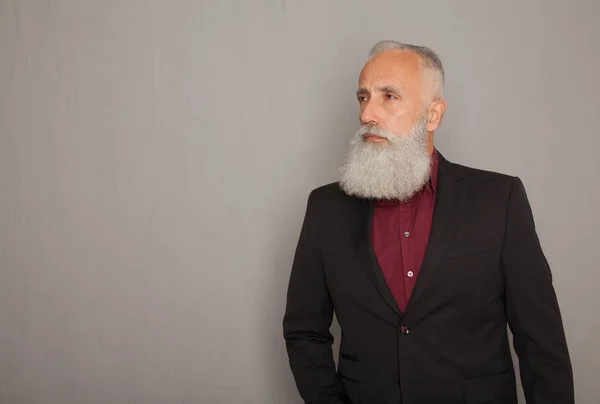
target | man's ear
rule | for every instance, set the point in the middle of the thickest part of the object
(435, 114)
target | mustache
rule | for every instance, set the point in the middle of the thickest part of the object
(371, 129)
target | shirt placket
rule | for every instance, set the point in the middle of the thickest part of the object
(407, 246)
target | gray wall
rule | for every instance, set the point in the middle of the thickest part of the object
(155, 159)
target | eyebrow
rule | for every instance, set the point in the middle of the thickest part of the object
(390, 89)
(382, 89)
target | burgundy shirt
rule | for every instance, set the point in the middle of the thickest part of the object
(400, 236)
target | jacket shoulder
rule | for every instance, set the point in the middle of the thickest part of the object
(479, 173)
(491, 178)
(331, 196)
(331, 190)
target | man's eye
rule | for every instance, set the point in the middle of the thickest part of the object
(362, 98)
(390, 96)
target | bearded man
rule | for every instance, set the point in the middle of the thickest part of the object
(424, 262)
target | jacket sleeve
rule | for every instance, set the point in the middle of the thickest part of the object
(308, 316)
(532, 308)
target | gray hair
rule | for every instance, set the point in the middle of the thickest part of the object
(430, 61)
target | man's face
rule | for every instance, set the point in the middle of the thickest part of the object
(390, 92)
(390, 154)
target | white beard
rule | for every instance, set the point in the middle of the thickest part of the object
(396, 169)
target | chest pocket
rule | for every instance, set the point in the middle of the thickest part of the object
(471, 247)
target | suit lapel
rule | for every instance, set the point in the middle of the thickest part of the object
(366, 254)
(443, 226)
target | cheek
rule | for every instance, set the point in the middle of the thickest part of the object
(397, 110)
(399, 122)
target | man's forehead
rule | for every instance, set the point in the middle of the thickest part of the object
(391, 65)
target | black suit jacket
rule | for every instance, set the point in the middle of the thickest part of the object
(483, 269)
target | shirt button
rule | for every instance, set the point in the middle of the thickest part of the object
(404, 329)
(406, 234)
(410, 274)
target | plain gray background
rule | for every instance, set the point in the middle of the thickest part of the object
(156, 156)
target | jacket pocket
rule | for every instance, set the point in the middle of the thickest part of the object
(496, 389)
(349, 357)
(470, 248)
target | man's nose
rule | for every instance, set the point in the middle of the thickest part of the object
(370, 114)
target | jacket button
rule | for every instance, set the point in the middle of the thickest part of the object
(404, 329)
